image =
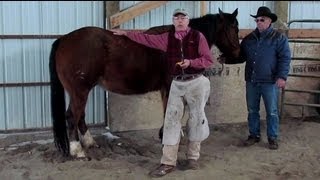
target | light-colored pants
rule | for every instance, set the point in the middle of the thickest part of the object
(170, 152)
(196, 93)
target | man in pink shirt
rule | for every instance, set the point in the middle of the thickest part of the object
(188, 56)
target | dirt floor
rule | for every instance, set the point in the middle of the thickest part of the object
(134, 154)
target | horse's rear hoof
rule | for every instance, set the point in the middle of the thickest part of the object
(94, 145)
(83, 158)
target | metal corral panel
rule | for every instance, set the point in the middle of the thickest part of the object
(304, 10)
(26, 60)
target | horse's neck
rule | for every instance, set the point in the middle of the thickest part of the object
(207, 26)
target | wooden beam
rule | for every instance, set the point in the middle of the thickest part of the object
(134, 11)
(244, 32)
(203, 8)
(304, 33)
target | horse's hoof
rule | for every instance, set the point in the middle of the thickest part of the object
(84, 158)
(95, 145)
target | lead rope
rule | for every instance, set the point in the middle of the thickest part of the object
(182, 60)
(182, 56)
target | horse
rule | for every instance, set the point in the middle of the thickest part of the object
(91, 56)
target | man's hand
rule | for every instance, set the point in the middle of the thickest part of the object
(118, 32)
(184, 64)
(281, 83)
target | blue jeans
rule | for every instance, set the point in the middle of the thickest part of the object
(269, 93)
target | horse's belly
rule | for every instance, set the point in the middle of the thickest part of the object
(120, 87)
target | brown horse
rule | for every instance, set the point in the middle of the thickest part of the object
(93, 56)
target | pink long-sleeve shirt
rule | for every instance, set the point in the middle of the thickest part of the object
(160, 41)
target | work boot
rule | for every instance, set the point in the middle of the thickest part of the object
(251, 140)
(273, 144)
(192, 164)
(162, 170)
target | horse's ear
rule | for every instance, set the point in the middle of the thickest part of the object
(235, 13)
(220, 13)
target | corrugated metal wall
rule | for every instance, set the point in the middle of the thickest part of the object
(158, 16)
(26, 60)
(162, 15)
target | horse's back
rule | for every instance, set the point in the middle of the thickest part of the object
(92, 55)
(159, 29)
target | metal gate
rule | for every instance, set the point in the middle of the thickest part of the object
(312, 77)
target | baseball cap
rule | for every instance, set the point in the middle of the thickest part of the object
(180, 11)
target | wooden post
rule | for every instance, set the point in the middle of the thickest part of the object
(203, 8)
(281, 10)
(112, 7)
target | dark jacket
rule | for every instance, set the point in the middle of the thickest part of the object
(267, 56)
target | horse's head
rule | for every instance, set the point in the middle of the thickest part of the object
(227, 39)
(220, 29)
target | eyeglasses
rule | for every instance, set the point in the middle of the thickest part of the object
(182, 18)
(261, 20)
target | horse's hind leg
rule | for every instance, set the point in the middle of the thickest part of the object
(75, 112)
(85, 135)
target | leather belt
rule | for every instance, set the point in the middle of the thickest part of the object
(186, 77)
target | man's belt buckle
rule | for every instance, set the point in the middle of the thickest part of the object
(186, 77)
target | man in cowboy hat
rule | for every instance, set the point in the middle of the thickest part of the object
(265, 14)
(267, 55)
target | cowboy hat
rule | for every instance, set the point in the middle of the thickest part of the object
(265, 11)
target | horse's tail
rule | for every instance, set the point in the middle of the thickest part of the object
(58, 106)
